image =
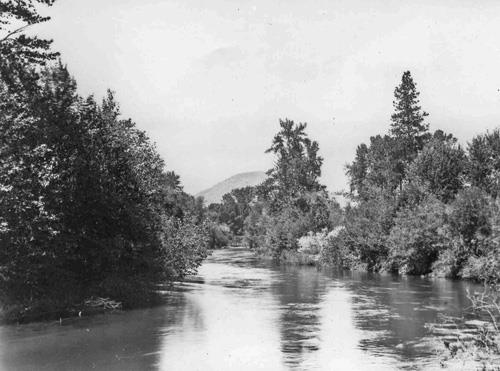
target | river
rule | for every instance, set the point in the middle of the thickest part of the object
(242, 314)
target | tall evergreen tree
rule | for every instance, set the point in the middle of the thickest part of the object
(407, 122)
(408, 126)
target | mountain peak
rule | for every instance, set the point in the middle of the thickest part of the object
(214, 194)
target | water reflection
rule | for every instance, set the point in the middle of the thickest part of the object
(238, 315)
(118, 342)
(299, 293)
(394, 312)
(247, 315)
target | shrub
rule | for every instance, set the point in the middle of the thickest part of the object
(472, 221)
(219, 235)
(338, 253)
(284, 230)
(255, 227)
(416, 238)
(184, 247)
(367, 227)
(313, 243)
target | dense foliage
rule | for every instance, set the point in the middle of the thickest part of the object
(419, 203)
(291, 202)
(87, 207)
(428, 208)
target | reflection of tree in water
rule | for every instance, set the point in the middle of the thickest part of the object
(124, 341)
(183, 313)
(395, 311)
(299, 293)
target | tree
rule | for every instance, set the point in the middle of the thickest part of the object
(408, 125)
(15, 17)
(85, 201)
(357, 171)
(173, 180)
(375, 166)
(417, 237)
(440, 166)
(484, 162)
(470, 232)
(384, 170)
(407, 122)
(470, 217)
(235, 208)
(367, 227)
(298, 166)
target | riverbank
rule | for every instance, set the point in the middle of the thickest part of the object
(49, 311)
(289, 258)
(57, 309)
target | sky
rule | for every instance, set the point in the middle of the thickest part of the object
(209, 80)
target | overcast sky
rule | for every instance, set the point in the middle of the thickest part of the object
(208, 80)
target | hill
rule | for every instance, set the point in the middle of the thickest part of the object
(215, 193)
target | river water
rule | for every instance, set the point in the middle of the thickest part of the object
(242, 314)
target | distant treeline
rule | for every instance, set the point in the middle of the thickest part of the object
(87, 207)
(419, 202)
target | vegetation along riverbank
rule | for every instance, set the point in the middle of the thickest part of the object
(88, 207)
(92, 219)
(419, 204)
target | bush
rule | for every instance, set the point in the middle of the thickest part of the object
(480, 349)
(367, 228)
(184, 247)
(255, 227)
(485, 265)
(313, 243)
(219, 236)
(416, 238)
(484, 268)
(338, 253)
(284, 230)
(471, 233)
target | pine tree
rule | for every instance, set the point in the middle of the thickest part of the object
(408, 121)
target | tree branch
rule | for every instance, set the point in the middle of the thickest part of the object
(20, 29)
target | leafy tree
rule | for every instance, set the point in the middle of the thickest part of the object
(367, 227)
(384, 170)
(484, 266)
(471, 234)
(84, 206)
(417, 237)
(256, 225)
(173, 180)
(484, 162)
(470, 218)
(441, 166)
(375, 165)
(357, 171)
(298, 166)
(290, 202)
(235, 208)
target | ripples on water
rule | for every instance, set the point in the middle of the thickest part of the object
(242, 314)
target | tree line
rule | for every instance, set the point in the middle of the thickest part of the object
(87, 205)
(419, 202)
